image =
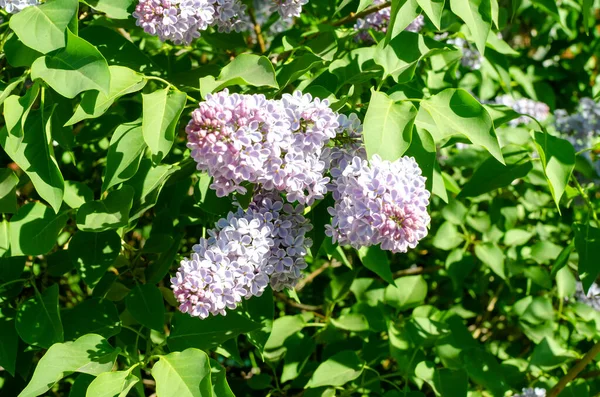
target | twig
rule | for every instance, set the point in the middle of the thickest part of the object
(295, 304)
(416, 270)
(353, 17)
(573, 372)
(590, 375)
(309, 279)
(489, 309)
(586, 198)
(258, 31)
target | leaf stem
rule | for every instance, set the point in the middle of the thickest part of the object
(573, 372)
(586, 198)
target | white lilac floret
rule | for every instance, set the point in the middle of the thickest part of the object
(379, 202)
(181, 21)
(276, 144)
(471, 58)
(379, 22)
(532, 392)
(14, 6)
(592, 298)
(288, 8)
(538, 110)
(246, 251)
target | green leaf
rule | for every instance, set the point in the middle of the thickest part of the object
(183, 374)
(445, 382)
(219, 381)
(76, 68)
(376, 260)
(337, 370)
(8, 191)
(114, 9)
(147, 184)
(563, 258)
(298, 67)
(549, 6)
(484, 370)
(35, 228)
(558, 161)
(588, 9)
(112, 384)
(261, 310)
(92, 316)
(283, 328)
(124, 154)
(94, 104)
(9, 88)
(388, 126)
(549, 354)
(145, 303)
(90, 354)
(42, 27)
(34, 154)
(162, 110)
(587, 244)
(8, 345)
(492, 174)
(93, 253)
(38, 319)
(16, 110)
(477, 15)
(422, 148)
(110, 213)
(188, 331)
(402, 13)
(433, 9)
(245, 69)
(492, 256)
(355, 322)
(407, 292)
(77, 194)
(566, 284)
(455, 111)
(18, 54)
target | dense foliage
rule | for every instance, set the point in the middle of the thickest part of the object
(300, 198)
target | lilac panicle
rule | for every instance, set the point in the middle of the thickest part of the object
(273, 143)
(538, 110)
(14, 6)
(379, 202)
(288, 8)
(532, 392)
(380, 20)
(246, 251)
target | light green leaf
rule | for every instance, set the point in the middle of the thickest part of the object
(124, 154)
(94, 104)
(77, 194)
(455, 111)
(35, 228)
(183, 374)
(433, 9)
(38, 319)
(16, 110)
(76, 68)
(337, 370)
(566, 283)
(90, 354)
(9, 88)
(107, 214)
(558, 161)
(477, 15)
(93, 253)
(388, 126)
(161, 113)
(492, 256)
(8, 191)
(355, 322)
(147, 183)
(112, 384)
(587, 244)
(34, 154)
(145, 303)
(376, 260)
(422, 148)
(114, 9)
(283, 328)
(402, 13)
(245, 69)
(408, 292)
(42, 27)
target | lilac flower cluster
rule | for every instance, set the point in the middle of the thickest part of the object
(538, 110)
(592, 298)
(471, 58)
(288, 8)
(246, 251)
(274, 143)
(379, 202)
(380, 20)
(14, 6)
(181, 21)
(531, 392)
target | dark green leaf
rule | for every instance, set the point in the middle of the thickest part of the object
(38, 319)
(92, 316)
(376, 260)
(587, 244)
(145, 303)
(93, 253)
(35, 228)
(107, 214)
(124, 154)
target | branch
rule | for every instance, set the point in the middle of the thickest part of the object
(309, 279)
(573, 372)
(353, 17)
(258, 31)
(281, 296)
(416, 270)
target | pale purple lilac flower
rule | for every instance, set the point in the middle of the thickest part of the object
(181, 21)
(531, 392)
(14, 6)
(379, 202)
(246, 251)
(380, 20)
(592, 298)
(276, 144)
(538, 110)
(288, 8)
(471, 58)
